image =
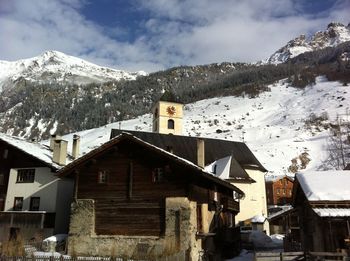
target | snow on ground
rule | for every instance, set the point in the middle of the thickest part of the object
(273, 124)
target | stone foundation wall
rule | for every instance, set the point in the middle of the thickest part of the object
(179, 238)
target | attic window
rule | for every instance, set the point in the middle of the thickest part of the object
(102, 177)
(25, 175)
(171, 124)
(158, 175)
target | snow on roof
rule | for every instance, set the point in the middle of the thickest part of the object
(325, 185)
(41, 152)
(258, 219)
(332, 212)
(279, 213)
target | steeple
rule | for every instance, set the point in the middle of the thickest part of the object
(167, 115)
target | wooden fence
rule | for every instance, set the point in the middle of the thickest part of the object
(307, 256)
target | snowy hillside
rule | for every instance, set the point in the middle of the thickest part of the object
(278, 126)
(335, 34)
(53, 66)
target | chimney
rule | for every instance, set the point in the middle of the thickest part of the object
(76, 146)
(59, 151)
(200, 153)
(52, 140)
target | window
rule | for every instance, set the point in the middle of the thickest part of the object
(25, 175)
(18, 204)
(158, 175)
(171, 124)
(102, 177)
(2, 179)
(34, 203)
(278, 191)
(6, 153)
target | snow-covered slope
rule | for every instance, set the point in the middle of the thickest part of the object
(54, 66)
(335, 34)
(278, 126)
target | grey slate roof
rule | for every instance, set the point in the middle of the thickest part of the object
(186, 147)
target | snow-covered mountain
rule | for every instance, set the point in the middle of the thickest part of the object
(286, 128)
(335, 34)
(54, 66)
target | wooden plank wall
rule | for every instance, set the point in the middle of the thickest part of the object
(119, 211)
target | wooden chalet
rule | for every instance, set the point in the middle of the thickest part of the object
(139, 200)
(322, 204)
(231, 161)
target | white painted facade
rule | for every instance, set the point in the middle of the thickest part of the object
(44, 186)
(254, 204)
(55, 197)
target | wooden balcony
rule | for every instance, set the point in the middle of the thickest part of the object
(34, 219)
(230, 204)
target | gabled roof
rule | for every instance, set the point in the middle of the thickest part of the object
(34, 149)
(124, 136)
(229, 169)
(186, 147)
(333, 185)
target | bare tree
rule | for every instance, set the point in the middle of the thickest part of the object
(339, 142)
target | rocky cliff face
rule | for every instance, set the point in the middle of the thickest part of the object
(335, 34)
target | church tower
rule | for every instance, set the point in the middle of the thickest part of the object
(167, 115)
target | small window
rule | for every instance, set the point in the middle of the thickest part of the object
(2, 179)
(6, 153)
(34, 203)
(158, 175)
(171, 124)
(102, 177)
(25, 175)
(18, 204)
(278, 191)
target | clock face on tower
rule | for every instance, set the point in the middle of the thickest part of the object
(171, 110)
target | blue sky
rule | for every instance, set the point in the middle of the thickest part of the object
(152, 35)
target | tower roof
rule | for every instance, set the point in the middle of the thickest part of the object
(169, 96)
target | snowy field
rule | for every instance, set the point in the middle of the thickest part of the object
(273, 125)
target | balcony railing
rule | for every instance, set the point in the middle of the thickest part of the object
(35, 219)
(230, 204)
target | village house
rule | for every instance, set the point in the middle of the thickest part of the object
(34, 203)
(279, 191)
(229, 160)
(322, 203)
(135, 199)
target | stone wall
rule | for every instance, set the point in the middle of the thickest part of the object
(179, 238)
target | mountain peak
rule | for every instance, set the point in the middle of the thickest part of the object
(335, 34)
(55, 66)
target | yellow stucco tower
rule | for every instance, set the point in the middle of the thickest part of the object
(167, 115)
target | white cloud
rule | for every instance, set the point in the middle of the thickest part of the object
(178, 32)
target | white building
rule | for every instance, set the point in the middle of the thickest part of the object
(35, 203)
